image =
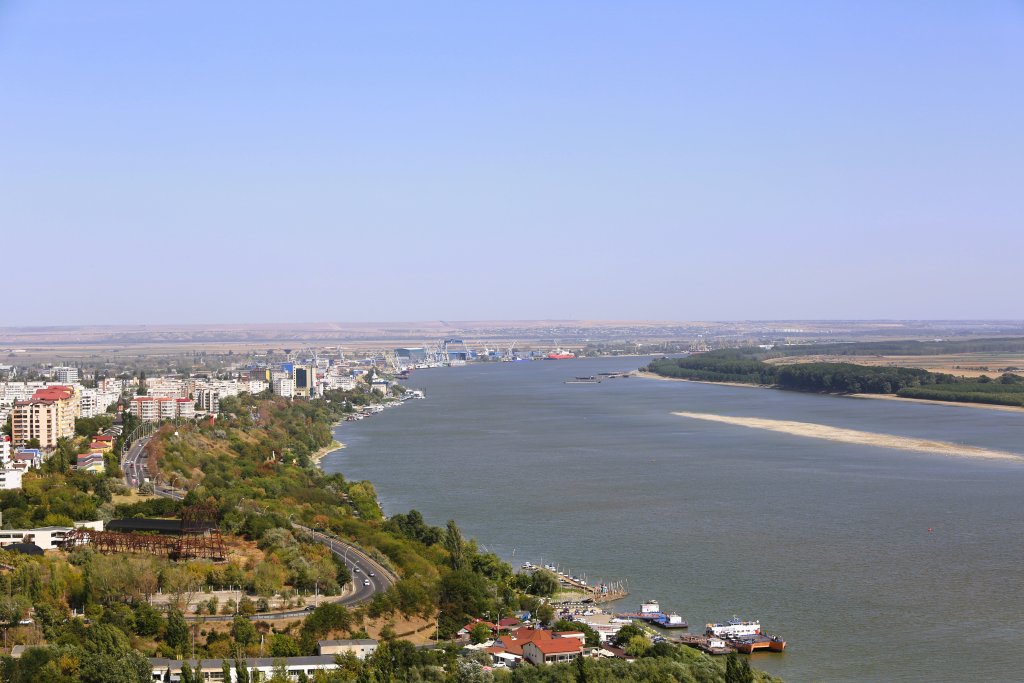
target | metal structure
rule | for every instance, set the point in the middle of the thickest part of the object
(199, 538)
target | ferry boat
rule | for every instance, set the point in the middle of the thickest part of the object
(650, 611)
(734, 628)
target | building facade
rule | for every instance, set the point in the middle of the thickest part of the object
(48, 416)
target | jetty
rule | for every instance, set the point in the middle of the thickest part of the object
(602, 591)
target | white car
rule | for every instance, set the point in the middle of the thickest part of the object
(366, 582)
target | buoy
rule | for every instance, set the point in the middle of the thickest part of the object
(929, 529)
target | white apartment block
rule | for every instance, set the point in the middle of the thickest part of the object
(93, 402)
(258, 386)
(284, 386)
(65, 375)
(208, 400)
(166, 387)
(152, 409)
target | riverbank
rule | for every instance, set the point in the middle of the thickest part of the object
(643, 374)
(853, 436)
(335, 445)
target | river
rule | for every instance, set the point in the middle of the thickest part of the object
(875, 564)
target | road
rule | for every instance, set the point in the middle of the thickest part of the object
(134, 465)
(359, 565)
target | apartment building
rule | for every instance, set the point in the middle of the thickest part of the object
(49, 415)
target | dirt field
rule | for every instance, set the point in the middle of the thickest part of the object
(966, 364)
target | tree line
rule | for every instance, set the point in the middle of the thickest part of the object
(746, 366)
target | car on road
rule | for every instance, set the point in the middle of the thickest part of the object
(309, 608)
(366, 582)
(371, 574)
(356, 569)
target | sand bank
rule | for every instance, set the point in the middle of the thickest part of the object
(319, 455)
(819, 431)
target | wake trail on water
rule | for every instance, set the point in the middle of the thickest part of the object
(854, 436)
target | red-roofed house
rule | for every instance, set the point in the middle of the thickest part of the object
(552, 651)
(539, 646)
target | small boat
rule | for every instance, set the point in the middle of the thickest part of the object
(584, 380)
(670, 621)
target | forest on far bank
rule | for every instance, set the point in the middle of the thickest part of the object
(747, 366)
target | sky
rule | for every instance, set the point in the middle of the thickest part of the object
(232, 162)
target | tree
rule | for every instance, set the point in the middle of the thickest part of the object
(627, 632)
(581, 669)
(738, 670)
(544, 583)
(177, 630)
(283, 645)
(454, 545)
(637, 645)
(241, 671)
(243, 631)
(479, 633)
(186, 674)
(147, 619)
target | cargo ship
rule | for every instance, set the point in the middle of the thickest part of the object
(559, 354)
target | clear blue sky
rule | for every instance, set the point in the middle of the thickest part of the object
(249, 161)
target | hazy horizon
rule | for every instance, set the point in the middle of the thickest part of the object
(247, 162)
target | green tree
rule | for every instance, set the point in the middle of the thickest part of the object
(479, 633)
(544, 583)
(176, 634)
(241, 671)
(581, 669)
(283, 645)
(454, 545)
(243, 631)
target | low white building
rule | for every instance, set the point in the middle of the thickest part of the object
(361, 647)
(10, 479)
(259, 668)
(47, 537)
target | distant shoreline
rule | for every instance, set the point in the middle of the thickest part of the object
(883, 397)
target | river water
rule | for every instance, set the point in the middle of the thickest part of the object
(874, 564)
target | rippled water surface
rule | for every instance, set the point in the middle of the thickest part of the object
(827, 544)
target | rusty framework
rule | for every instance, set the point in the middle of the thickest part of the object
(199, 538)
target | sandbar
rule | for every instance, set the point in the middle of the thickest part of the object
(853, 436)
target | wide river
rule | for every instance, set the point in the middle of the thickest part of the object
(875, 564)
